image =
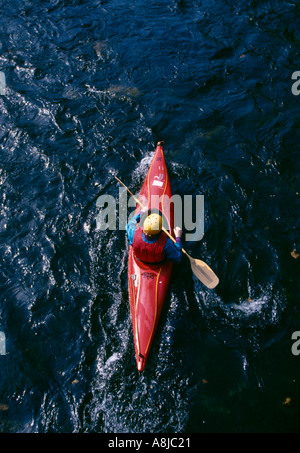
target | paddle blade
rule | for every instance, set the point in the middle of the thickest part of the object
(204, 273)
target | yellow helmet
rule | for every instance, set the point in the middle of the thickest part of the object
(153, 224)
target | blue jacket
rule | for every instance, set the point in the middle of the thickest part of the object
(173, 251)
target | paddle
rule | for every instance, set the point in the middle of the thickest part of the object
(200, 269)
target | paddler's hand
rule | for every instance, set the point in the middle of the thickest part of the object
(178, 232)
(144, 210)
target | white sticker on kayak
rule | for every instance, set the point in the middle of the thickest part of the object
(157, 183)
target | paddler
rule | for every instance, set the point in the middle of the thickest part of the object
(150, 244)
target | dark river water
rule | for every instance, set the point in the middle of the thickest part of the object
(91, 86)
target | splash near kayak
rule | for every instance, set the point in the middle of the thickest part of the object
(148, 282)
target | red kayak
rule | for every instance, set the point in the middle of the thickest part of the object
(148, 283)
